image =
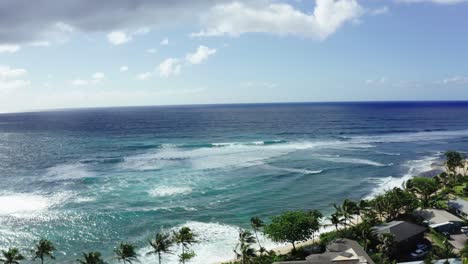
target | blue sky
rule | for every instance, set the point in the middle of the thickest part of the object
(88, 54)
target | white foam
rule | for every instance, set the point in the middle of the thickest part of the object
(26, 205)
(388, 153)
(353, 161)
(163, 191)
(411, 137)
(216, 244)
(415, 167)
(225, 155)
(301, 171)
(67, 171)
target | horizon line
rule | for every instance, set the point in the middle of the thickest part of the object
(231, 104)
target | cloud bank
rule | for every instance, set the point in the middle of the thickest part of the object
(237, 18)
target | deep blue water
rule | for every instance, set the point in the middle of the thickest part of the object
(90, 178)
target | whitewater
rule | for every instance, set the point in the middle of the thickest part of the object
(88, 179)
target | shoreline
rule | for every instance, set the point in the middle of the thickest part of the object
(436, 168)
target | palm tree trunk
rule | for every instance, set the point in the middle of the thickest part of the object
(258, 241)
(183, 259)
(159, 257)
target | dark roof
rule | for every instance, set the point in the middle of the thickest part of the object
(459, 204)
(400, 229)
(335, 249)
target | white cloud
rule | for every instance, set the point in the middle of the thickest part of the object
(98, 76)
(379, 11)
(95, 79)
(40, 44)
(442, 2)
(123, 68)
(144, 76)
(170, 67)
(152, 50)
(118, 37)
(6, 48)
(282, 19)
(454, 80)
(80, 82)
(7, 72)
(64, 27)
(164, 42)
(379, 81)
(201, 54)
(252, 84)
(11, 78)
(143, 31)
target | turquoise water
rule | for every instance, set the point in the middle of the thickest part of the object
(88, 179)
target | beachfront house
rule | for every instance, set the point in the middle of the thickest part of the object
(407, 235)
(460, 206)
(440, 220)
(341, 250)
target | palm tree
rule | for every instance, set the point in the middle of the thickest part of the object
(426, 188)
(336, 220)
(243, 250)
(126, 253)
(91, 258)
(44, 248)
(12, 256)
(257, 224)
(185, 237)
(346, 210)
(315, 217)
(161, 244)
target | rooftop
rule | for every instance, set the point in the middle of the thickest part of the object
(339, 251)
(459, 204)
(437, 216)
(400, 229)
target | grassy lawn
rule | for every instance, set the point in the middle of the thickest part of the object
(436, 239)
(458, 190)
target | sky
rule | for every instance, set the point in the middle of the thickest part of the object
(87, 53)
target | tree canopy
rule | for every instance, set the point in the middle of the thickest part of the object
(290, 227)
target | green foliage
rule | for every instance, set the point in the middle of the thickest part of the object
(243, 249)
(12, 256)
(186, 256)
(185, 237)
(326, 238)
(126, 252)
(91, 258)
(161, 245)
(346, 211)
(464, 253)
(426, 189)
(393, 204)
(387, 245)
(44, 248)
(454, 160)
(290, 227)
(256, 223)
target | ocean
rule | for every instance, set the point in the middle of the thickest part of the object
(89, 178)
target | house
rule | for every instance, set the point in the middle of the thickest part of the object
(460, 206)
(440, 220)
(406, 234)
(341, 250)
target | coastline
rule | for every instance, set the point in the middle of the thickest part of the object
(436, 168)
